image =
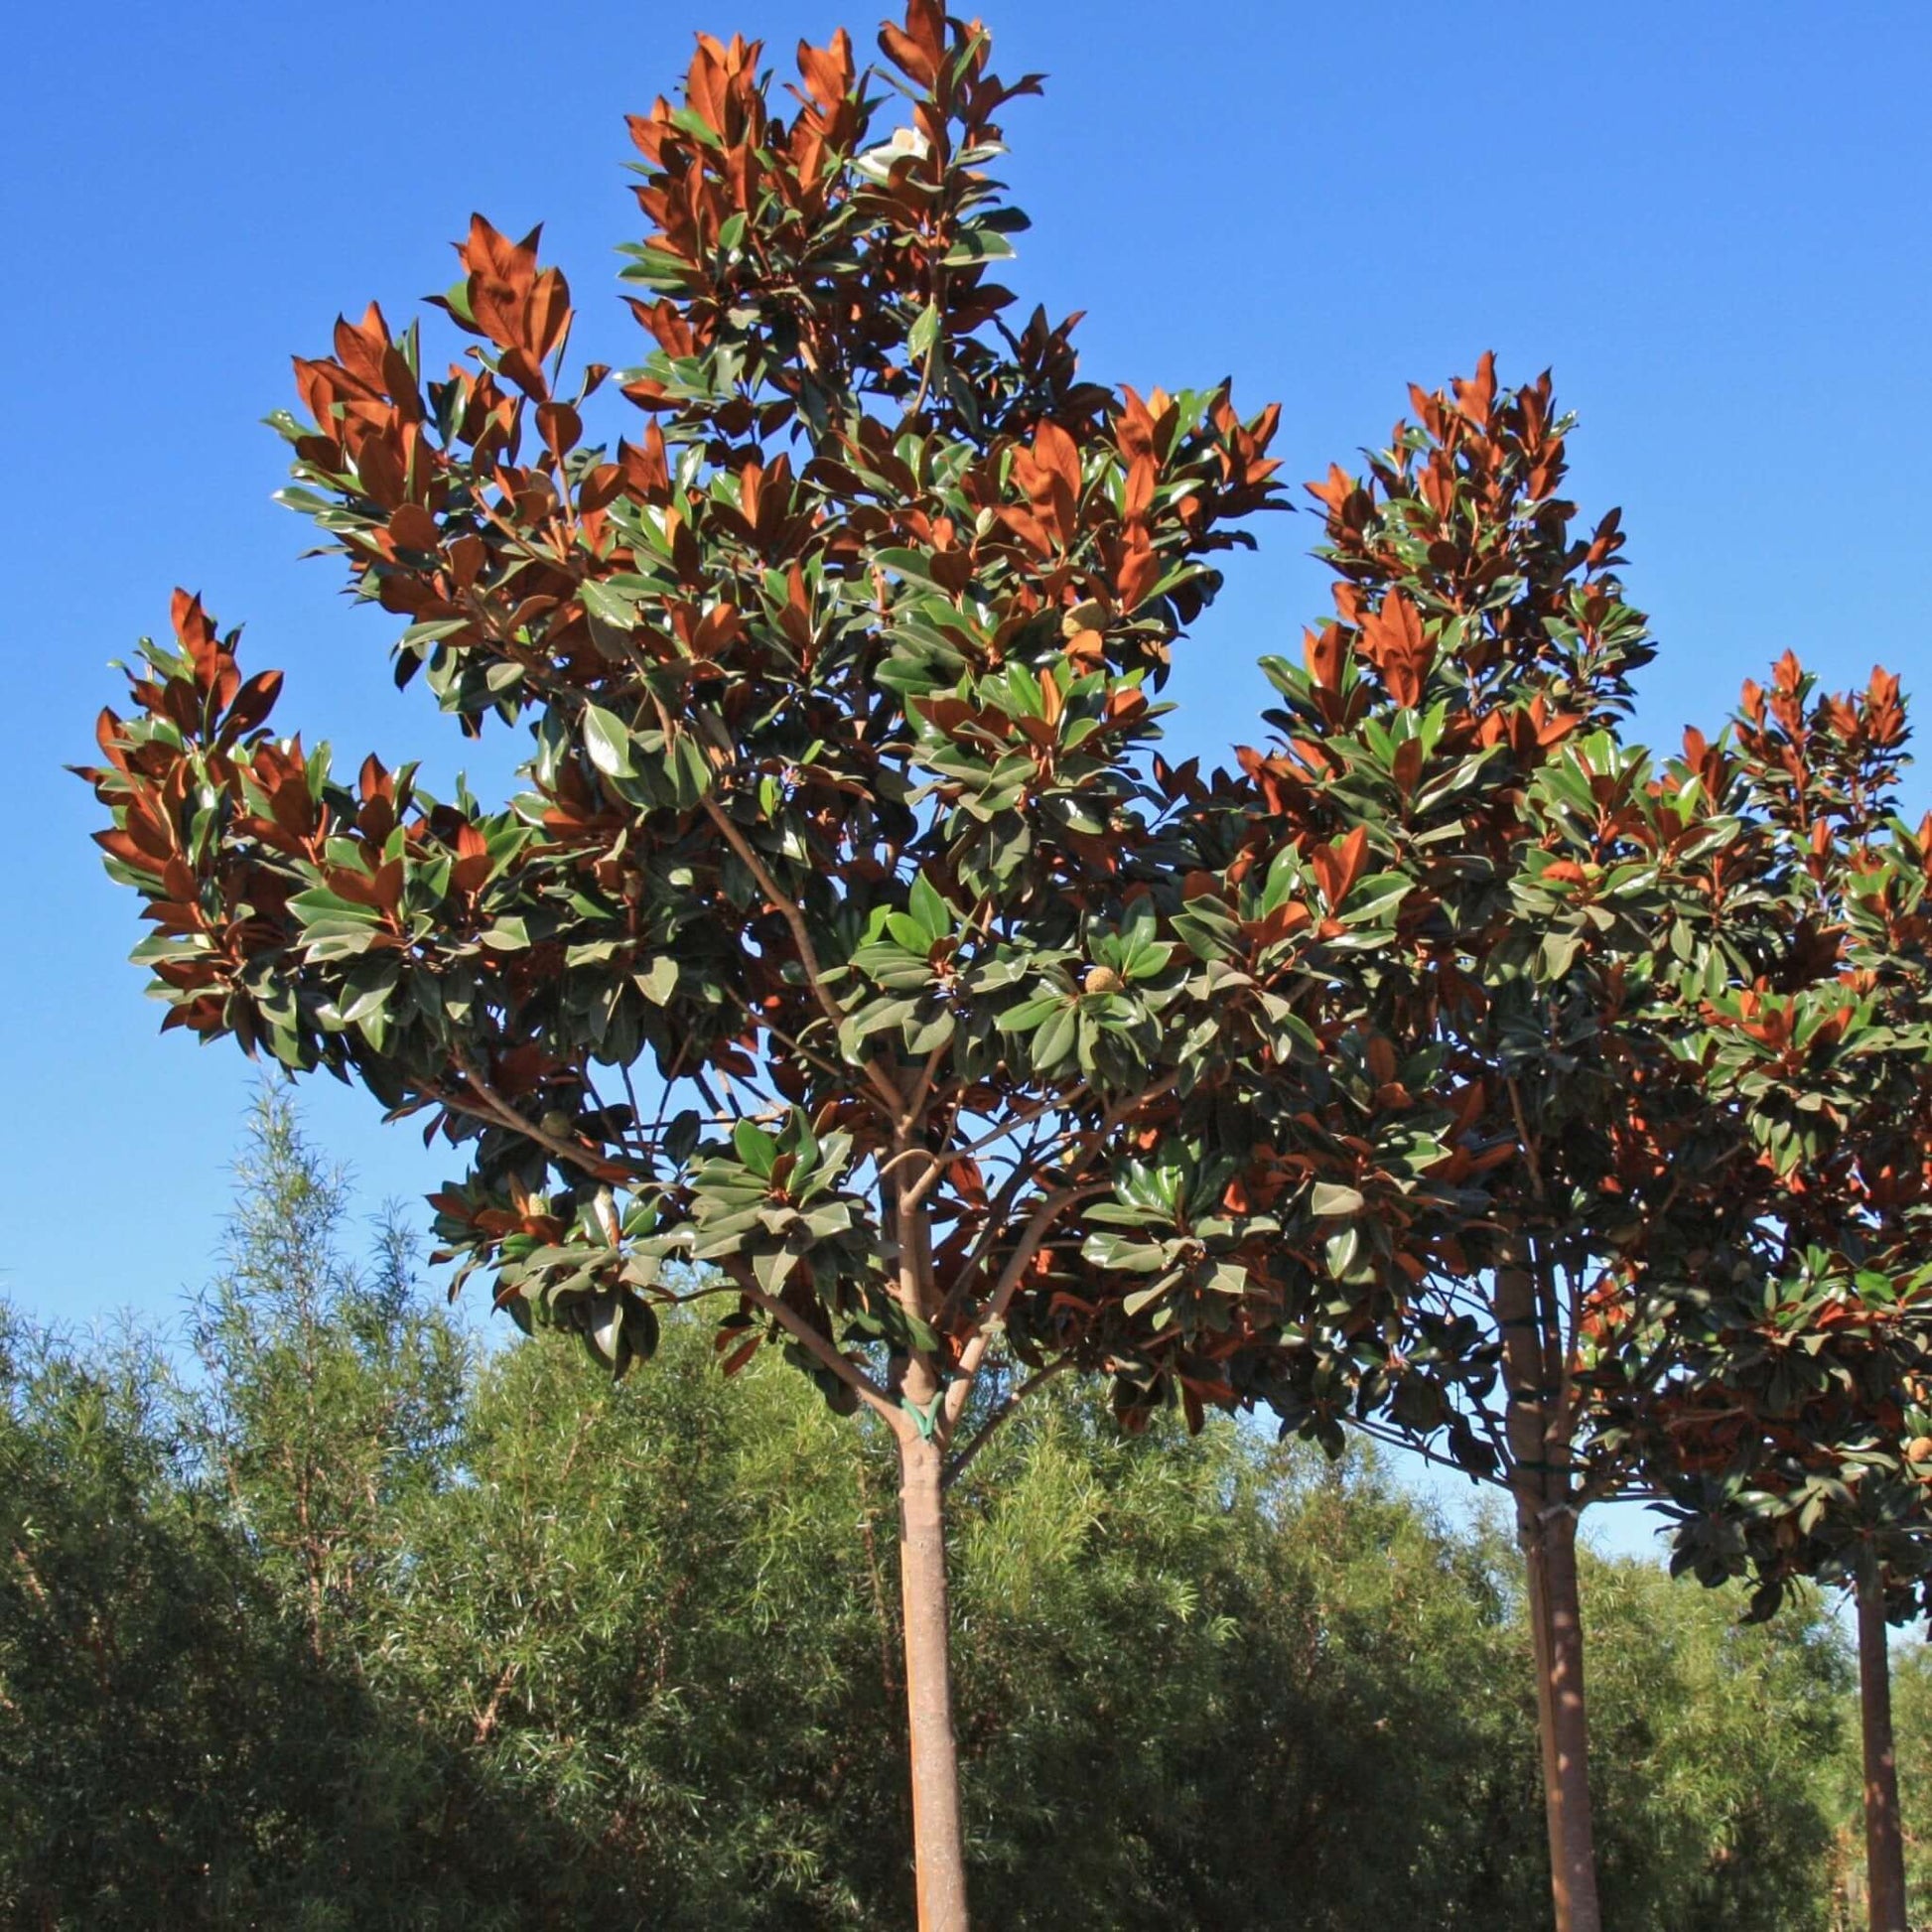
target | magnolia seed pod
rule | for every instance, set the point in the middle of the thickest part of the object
(1103, 979)
(1919, 1448)
(555, 1122)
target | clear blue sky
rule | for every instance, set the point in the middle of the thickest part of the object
(1710, 218)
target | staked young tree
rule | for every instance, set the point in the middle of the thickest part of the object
(1798, 1445)
(851, 944)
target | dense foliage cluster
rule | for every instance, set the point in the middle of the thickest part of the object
(1797, 1446)
(1680, 1003)
(843, 816)
(622, 1662)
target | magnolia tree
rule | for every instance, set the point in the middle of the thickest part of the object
(1797, 1444)
(850, 959)
(1564, 915)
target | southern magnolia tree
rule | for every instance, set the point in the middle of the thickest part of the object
(1566, 922)
(849, 939)
(1797, 1444)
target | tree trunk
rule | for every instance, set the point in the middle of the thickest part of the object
(938, 1837)
(1885, 1840)
(1555, 1619)
(1546, 1527)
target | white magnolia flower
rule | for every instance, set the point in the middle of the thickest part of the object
(876, 164)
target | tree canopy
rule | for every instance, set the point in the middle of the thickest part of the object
(853, 961)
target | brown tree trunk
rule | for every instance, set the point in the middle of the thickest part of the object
(1885, 1838)
(1546, 1527)
(1555, 1619)
(938, 1837)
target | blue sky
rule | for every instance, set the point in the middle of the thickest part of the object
(1711, 220)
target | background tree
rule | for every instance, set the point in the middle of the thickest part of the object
(632, 1668)
(329, 1393)
(1265, 1653)
(171, 1749)
(1561, 899)
(1796, 1450)
(133, 1676)
(843, 818)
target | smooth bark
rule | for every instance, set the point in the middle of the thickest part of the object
(1546, 1528)
(1555, 1617)
(938, 1835)
(1885, 1838)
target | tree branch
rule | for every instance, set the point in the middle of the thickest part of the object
(996, 1213)
(486, 1724)
(1381, 1433)
(1039, 1222)
(1013, 1125)
(912, 1230)
(923, 1087)
(801, 938)
(493, 1106)
(1529, 1147)
(957, 1466)
(815, 1343)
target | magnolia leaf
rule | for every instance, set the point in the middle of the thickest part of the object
(977, 245)
(608, 742)
(924, 333)
(1143, 1299)
(1327, 1198)
(931, 912)
(755, 1148)
(773, 1269)
(1053, 1040)
(607, 606)
(658, 981)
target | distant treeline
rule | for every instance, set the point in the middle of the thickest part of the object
(337, 1621)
